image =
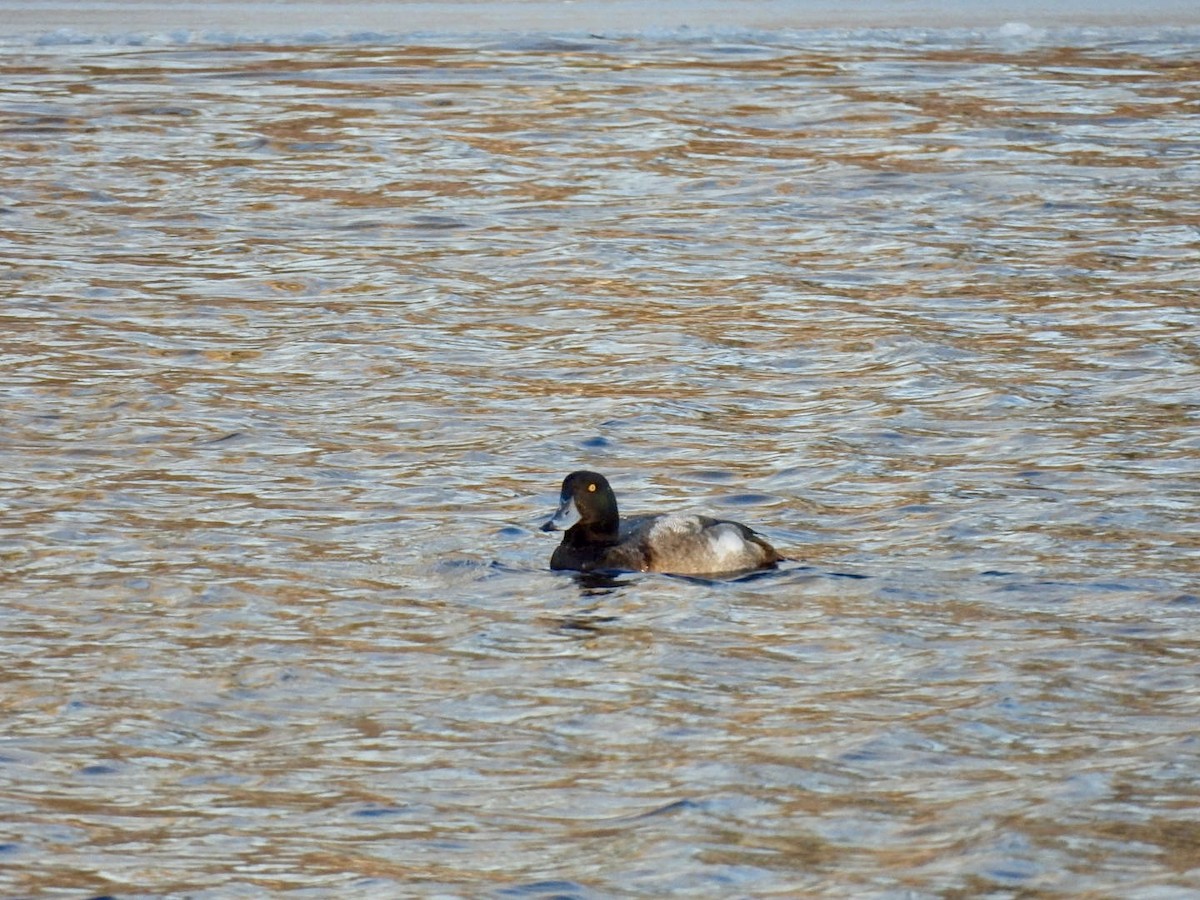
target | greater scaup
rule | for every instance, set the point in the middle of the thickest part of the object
(598, 538)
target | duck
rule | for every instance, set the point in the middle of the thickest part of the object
(597, 538)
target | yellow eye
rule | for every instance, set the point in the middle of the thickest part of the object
(592, 488)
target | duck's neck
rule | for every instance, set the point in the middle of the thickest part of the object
(603, 531)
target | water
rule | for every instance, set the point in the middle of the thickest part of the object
(300, 337)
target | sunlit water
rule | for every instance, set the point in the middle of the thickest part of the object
(300, 339)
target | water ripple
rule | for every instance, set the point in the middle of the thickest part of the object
(301, 339)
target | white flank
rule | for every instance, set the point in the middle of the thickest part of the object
(727, 544)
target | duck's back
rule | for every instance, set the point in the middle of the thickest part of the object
(689, 545)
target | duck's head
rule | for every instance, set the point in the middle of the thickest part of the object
(587, 500)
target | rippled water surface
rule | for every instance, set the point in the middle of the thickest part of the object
(299, 340)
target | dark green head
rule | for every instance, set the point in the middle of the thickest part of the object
(587, 503)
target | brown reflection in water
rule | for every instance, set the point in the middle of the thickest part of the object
(299, 339)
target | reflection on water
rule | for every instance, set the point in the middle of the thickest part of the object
(299, 341)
